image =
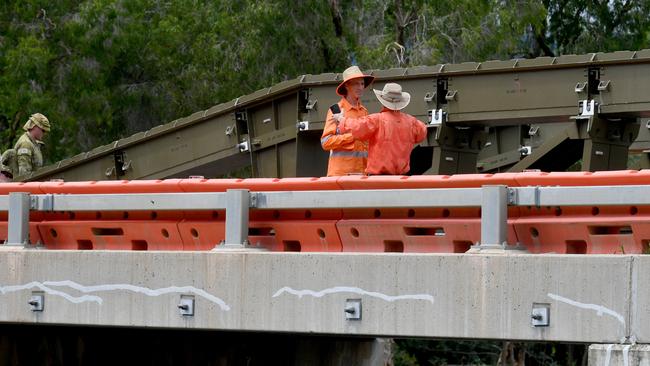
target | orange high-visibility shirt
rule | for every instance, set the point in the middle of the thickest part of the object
(391, 136)
(347, 154)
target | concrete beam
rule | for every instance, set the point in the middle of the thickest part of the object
(590, 298)
(619, 354)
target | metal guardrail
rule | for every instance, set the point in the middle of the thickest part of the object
(493, 200)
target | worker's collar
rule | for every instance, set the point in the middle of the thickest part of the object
(346, 105)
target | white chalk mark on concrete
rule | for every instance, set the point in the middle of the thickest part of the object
(47, 290)
(142, 290)
(600, 310)
(46, 287)
(356, 290)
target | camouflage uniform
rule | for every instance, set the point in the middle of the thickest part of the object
(28, 149)
(6, 171)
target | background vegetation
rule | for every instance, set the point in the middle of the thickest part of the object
(104, 69)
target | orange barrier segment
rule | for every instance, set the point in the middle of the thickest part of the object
(118, 187)
(260, 184)
(111, 235)
(567, 179)
(113, 186)
(278, 235)
(584, 230)
(426, 181)
(29, 187)
(613, 235)
(412, 235)
(299, 235)
(201, 234)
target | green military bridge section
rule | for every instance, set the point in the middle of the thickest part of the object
(545, 113)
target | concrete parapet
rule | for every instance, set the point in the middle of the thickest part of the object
(619, 354)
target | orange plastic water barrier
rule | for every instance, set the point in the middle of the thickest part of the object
(409, 236)
(279, 235)
(584, 230)
(111, 235)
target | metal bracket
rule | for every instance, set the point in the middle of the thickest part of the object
(230, 130)
(186, 305)
(109, 171)
(580, 87)
(127, 165)
(311, 104)
(121, 165)
(451, 95)
(429, 97)
(603, 85)
(512, 196)
(533, 130)
(253, 199)
(37, 301)
(43, 202)
(540, 315)
(352, 309)
(302, 126)
(437, 117)
(243, 147)
(587, 108)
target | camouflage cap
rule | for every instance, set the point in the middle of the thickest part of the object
(39, 120)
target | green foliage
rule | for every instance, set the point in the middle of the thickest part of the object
(104, 69)
(581, 26)
(419, 352)
(433, 352)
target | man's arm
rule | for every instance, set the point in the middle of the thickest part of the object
(24, 159)
(362, 128)
(419, 130)
(332, 139)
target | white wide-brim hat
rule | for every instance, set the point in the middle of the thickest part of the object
(392, 96)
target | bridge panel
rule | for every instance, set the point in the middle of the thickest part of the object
(424, 295)
(515, 93)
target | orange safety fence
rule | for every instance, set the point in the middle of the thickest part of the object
(583, 230)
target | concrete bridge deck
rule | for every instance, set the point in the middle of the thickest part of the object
(591, 299)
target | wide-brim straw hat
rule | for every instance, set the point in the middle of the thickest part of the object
(392, 97)
(353, 72)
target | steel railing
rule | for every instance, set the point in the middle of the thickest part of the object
(493, 200)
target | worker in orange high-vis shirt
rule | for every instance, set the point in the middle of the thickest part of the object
(391, 134)
(348, 155)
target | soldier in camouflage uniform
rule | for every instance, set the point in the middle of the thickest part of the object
(6, 172)
(28, 147)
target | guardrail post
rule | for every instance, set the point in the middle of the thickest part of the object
(494, 217)
(18, 230)
(237, 208)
